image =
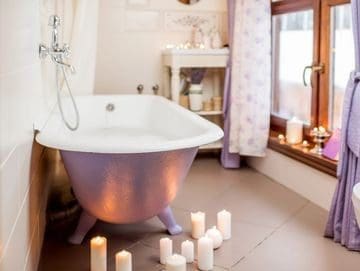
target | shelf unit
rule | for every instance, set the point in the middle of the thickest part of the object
(217, 145)
(175, 59)
(209, 113)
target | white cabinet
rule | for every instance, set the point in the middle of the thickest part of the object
(175, 59)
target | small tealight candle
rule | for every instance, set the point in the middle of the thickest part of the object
(187, 250)
(205, 253)
(176, 263)
(224, 224)
(215, 235)
(305, 144)
(322, 130)
(281, 138)
(123, 261)
(98, 254)
(294, 131)
(166, 248)
(197, 224)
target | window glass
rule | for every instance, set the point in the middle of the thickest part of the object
(292, 51)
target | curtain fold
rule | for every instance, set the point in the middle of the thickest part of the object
(229, 160)
(342, 225)
(248, 81)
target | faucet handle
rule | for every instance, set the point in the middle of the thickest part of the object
(66, 50)
(54, 21)
(140, 88)
(155, 89)
(43, 51)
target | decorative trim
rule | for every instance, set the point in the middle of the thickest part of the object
(184, 21)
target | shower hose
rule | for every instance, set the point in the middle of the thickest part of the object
(58, 88)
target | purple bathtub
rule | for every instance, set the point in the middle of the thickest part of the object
(129, 157)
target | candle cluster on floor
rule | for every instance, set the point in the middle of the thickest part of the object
(98, 248)
(207, 242)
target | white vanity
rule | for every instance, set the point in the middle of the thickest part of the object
(175, 59)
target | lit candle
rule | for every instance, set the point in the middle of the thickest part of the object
(281, 138)
(216, 236)
(205, 253)
(98, 254)
(322, 130)
(294, 131)
(197, 224)
(187, 250)
(165, 249)
(224, 224)
(176, 263)
(123, 261)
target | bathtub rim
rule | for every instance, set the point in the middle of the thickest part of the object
(212, 134)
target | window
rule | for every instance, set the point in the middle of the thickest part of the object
(315, 34)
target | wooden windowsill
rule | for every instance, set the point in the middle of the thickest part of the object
(303, 155)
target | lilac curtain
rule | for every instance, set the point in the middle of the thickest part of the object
(229, 160)
(342, 225)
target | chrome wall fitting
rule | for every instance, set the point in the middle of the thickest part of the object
(55, 51)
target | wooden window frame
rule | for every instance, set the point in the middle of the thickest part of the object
(320, 81)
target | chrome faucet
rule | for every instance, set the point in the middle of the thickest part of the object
(57, 53)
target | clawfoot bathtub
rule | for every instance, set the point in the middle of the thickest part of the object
(129, 157)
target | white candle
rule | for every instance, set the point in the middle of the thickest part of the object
(224, 224)
(176, 263)
(166, 248)
(197, 225)
(294, 131)
(205, 253)
(98, 254)
(187, 250)
(216, 236)
(123, 261)
(322, 130)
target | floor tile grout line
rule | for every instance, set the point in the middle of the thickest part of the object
(272, 233)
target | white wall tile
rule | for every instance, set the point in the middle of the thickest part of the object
(142, 20)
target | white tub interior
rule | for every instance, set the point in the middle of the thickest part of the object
(138, 123)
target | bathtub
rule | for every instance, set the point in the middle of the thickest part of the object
(127, 160)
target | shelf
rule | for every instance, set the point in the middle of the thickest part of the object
(209, 113)
(303, 155)
(212, 146)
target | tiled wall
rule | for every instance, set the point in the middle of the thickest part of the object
(23, 164)
(132, 33)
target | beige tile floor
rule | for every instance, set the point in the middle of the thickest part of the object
(273, 228)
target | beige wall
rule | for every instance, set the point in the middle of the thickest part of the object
(312, 184)
(22, 163)
(130, 39)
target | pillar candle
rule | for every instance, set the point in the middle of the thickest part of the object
(176, 263)
(216, 236)
(224, 224)
(98, 254)
(197, 224)
(165, 249)
(294, 131)
(205, 254)
(187, 250)
(123, 261)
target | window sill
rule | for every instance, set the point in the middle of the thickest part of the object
(303, 155)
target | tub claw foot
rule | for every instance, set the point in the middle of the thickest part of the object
(86, 222)
(167, 218)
